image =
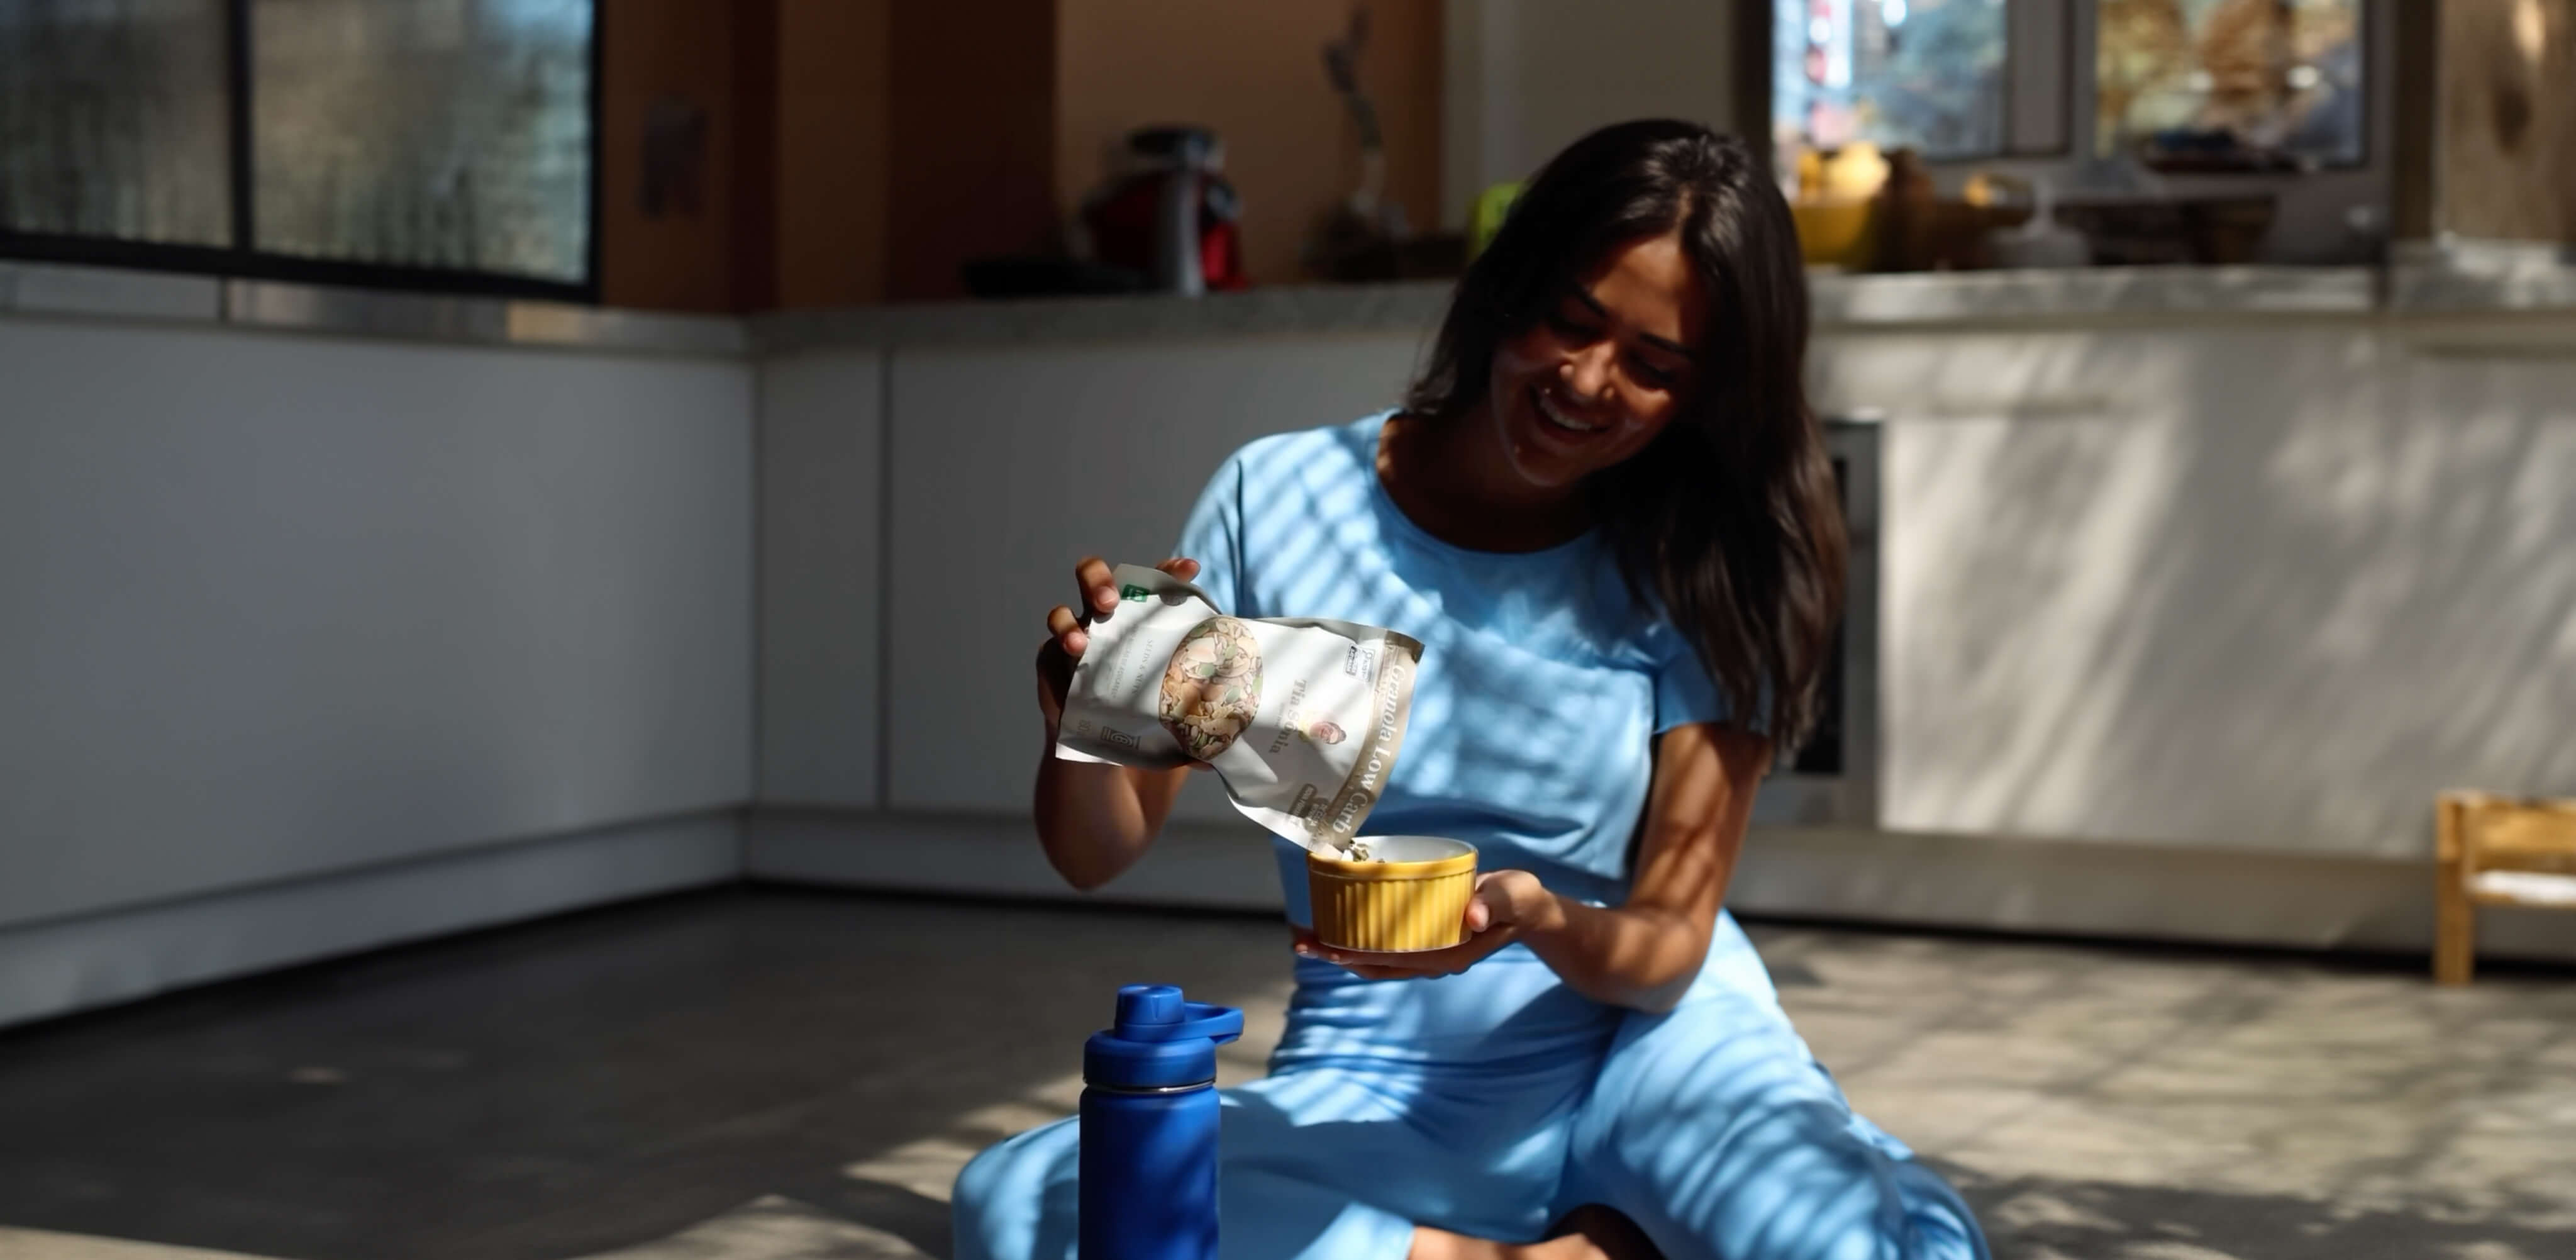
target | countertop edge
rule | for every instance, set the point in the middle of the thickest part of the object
(2005, 296)
(1306, 310)
(39, 290)
(2426, 281)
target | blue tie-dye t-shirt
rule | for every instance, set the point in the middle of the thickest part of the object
(1542, 682)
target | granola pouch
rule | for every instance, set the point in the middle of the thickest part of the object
(1301, 717)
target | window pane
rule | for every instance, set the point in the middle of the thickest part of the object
(1922, 74)
(424, 133)
(112, 120)
(2230, 84)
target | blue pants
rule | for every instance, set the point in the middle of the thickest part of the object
(1492, 1102)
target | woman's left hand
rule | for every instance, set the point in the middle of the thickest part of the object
(1505, 904)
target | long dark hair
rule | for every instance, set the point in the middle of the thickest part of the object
(1729, 522)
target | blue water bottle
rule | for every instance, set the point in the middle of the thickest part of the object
(1149, 1125)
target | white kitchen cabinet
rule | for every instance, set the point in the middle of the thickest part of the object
(282, 608)
(1011, 463)
(2236, 585)
(821, 575)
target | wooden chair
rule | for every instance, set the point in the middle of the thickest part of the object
(2495, 851)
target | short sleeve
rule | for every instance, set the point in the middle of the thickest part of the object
(1213, 536)
(1684, 691)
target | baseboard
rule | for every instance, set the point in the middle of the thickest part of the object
(2125, 891)
(2054, 887)
(1193, 864)
(66, 965)
(2133, 891)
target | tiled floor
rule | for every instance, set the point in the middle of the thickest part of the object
(764, 1075)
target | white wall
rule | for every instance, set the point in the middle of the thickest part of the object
(1524, 78)
(281, 607)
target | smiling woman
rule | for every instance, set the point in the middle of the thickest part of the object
(1607, 515)
(1653, 320)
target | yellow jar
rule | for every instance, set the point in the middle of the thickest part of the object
(1412, 896)
(1841, 233)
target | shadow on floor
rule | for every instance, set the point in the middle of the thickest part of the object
(2036, 1218)
(621, 1078)
(580, 1084)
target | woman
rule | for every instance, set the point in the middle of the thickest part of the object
(1607, 513)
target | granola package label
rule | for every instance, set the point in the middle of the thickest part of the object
(1301, 718)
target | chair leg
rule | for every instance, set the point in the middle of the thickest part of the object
(2455, 918)
(2455, 930)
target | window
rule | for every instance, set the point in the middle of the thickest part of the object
(2180, 85)
(112, 120)
(1922, 74)
(2226, 85)
(436, 144)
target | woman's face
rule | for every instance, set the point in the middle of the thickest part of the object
(1610, 363)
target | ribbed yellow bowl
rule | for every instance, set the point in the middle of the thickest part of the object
(1415, 899)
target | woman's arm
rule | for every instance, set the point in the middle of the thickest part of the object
(1645, 953)
(1094, 820)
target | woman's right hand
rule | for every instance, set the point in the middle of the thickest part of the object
(1095, 820)
(1097, 593)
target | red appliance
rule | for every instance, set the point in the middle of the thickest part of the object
(1167, 213)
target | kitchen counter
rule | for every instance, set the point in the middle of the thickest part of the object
(2421, 280)
(2423, 283)
(55, 291)
(1840, 301)
(2481, 279)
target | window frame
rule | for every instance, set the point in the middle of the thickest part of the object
(2374, 26)
(2033, 104)
(2024, 79)
(243, 260)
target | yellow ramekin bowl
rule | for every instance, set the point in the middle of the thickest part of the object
(1413, 898)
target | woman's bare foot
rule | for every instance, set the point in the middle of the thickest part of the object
(1608, 1232)
(1590, 1232)
(1440, 1244)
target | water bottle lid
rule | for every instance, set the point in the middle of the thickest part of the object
(1159, 1040)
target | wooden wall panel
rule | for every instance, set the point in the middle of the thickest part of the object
(1253, 70)
(667, 83)
(972, 118)
(2507, 163)
(833, 152)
